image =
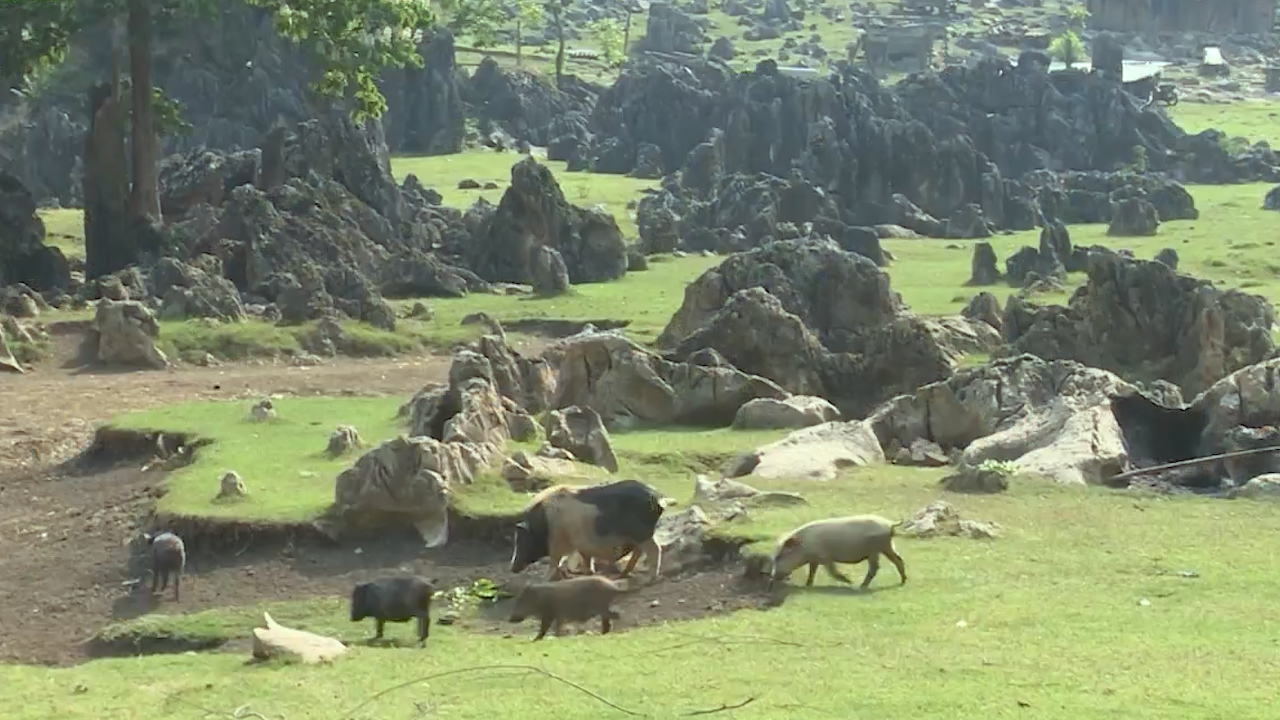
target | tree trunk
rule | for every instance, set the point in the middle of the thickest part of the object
(519, 41)
(106, 183)
(145, 200)
(560, 50)
(626, 35)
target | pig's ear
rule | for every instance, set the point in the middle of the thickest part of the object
(791, 542)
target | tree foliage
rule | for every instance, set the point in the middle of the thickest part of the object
(351, 41)
(529, 12)
(607, 34)
(1067, 47)
(477, 19)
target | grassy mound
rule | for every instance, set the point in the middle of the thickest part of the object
(290, 478)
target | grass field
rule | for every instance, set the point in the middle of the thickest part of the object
(1253, 119)
(1094, 604)
(611, 192)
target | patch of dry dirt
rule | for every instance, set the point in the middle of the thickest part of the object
(66, 561)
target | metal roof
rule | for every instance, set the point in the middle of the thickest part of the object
(1131, 70)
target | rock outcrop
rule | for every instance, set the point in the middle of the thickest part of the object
(1050, 419)
(406, 481)
(1142, 320)
(628, 385)
(534, 213)
(124, 334)
(814, 453)
(815, 319)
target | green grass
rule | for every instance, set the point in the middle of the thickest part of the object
(1054, 626)
(443, 173)
(1251, 119)
(1233, 244)
(648, 299)
(290, 479)
(282, 460)
(64, 229)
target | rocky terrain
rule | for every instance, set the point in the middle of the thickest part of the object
(280, 211)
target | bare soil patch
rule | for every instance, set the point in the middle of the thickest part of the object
(67, 569)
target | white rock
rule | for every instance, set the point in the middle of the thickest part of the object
(797, 411)
(814, 453)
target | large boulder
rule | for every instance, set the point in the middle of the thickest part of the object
(814, 453)
(196, 290)
(815, 319)
(797, 411)
(627, 385)
(581, 431)
(407, 480)
(534, 212)
(1051, 419)
(1144, 321)
(24, 258)
(1247, 398)
(490, 392)
(125, 334)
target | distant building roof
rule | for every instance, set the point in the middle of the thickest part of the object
(1131, 70)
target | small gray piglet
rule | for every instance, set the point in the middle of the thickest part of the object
(168, 557)
(394, 599)
(574, 600)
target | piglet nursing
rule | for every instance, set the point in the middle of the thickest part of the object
(849, 539)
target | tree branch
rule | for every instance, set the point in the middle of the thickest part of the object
(484, 668)
(722, 708)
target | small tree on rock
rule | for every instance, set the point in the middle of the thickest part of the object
(1067, 47)
(607, 34)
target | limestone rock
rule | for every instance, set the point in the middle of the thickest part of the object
(796, 411)
(231, 486)
(726, 490)
(1052, 419)
(939, 518)
(276, 640)
(550, 276)
(264, 409)
(1134, 217)
(531, 473)
(975, 480)
(626, 384)
(533, 212)
(408, 480)
(126, 335)
(1142, 320)
(814, 453)
(7, 361)
(581, 431)
(1262, 487)
(680, 536)
(481, 416)
(342, 439)
(815, 319)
